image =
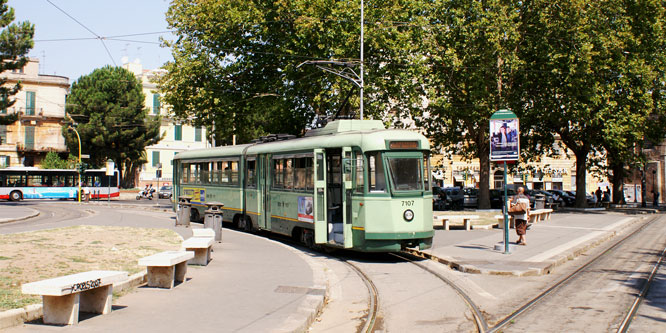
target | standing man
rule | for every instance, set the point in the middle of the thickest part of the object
(521, 219)
(598, 194)
(655, 197)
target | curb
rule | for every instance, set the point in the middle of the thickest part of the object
(9, 220)
(122, 205)
(551, 264)
(16, 317)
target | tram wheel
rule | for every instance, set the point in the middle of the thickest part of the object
(245, 224)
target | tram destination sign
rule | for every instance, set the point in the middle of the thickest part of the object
(403, 145)
(504, 136)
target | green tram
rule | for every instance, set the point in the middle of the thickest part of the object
(352, 184)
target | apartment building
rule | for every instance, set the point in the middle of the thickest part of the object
(177, 137)
(40, 105)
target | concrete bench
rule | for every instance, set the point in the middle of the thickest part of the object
(166, 268)
(203, 233)
(446, 220)
(63, 297)
(201, 246)
(500, 221)
(538, 215)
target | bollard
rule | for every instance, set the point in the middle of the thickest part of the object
(213, 218)
(184, 209)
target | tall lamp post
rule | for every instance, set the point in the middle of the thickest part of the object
(110, 169)
(79, 140)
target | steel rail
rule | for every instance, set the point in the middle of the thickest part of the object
(566, 279)
(479, 320)
(639, 299)
(373, 298)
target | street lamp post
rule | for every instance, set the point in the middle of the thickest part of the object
(110, 168)
(79, 140)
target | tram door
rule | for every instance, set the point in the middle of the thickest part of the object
(320, 208)
(263, 190)
(338, 196)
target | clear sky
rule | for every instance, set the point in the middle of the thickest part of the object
(82, 53)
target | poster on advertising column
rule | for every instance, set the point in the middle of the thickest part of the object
(504, 136)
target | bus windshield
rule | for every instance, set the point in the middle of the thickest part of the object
(406, 173)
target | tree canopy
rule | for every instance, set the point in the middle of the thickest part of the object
(108, 105)
(15, 42)
(236, 64)
(586, 75)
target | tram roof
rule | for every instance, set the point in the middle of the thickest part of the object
(369, 135)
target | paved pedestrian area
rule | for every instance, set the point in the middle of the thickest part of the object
(10, 212)
(549, 243)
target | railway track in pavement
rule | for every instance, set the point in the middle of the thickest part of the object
(603, 285)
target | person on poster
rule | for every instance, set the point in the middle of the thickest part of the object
(503, 138)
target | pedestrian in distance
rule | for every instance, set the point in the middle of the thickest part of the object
(598, 194)
(655, 197)
(519, 208)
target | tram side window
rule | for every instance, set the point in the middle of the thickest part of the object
(252, 173)
(303, 174)
(278, 174)
(359, 171)
(204, 173)
(228, 172)
(376, 179)
(426, 170)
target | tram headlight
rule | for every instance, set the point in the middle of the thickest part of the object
(408, 215)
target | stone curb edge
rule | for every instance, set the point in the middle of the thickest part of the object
(559, 260)
(16, 317)
(9, 220)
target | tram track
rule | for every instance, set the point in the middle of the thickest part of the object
(511, 318)
(479, 319)
(373, 297)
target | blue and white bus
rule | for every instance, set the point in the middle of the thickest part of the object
(18, 183)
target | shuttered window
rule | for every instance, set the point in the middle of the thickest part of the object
(156, 158)
(197, 134)
(178, 133)
(29, 137)
(156, 103)
(30, 103)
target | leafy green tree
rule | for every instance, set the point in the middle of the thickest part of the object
(236, 64)
(15, 42)
(53, 161)
(108, 105)
(583, 81)
(472, 53)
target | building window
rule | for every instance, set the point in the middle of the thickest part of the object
(30, 103)
(29, 137)
(156, 158)
(4, 161)
(3, 134)
(156, 103)
(197, 134)
(178, 132)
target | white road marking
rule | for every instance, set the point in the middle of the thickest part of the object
(559, 249)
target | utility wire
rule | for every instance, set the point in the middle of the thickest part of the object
(92, 32)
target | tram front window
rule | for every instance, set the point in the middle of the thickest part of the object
(406, 173)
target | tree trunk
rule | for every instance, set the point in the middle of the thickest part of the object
(484, 177)
(617, 180)
(581, 189)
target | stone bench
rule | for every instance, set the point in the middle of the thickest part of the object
(203, 233)
(540, 214)
(63, 297)
(201, 246)
(166, 268)
(446, 220)
(500, 221)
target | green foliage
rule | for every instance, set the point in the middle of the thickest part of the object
(109, 103)
(53, 161)
(236, 63)
(15, 42)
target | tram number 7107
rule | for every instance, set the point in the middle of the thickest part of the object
(408, 203)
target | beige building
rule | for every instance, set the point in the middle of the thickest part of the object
(40, 105)
(177, 137)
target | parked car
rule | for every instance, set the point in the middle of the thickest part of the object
(455, 198)
(438, 198)
(496, 196)
(567, 199)
(470, 198)
(591, 199)
(165, 192)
